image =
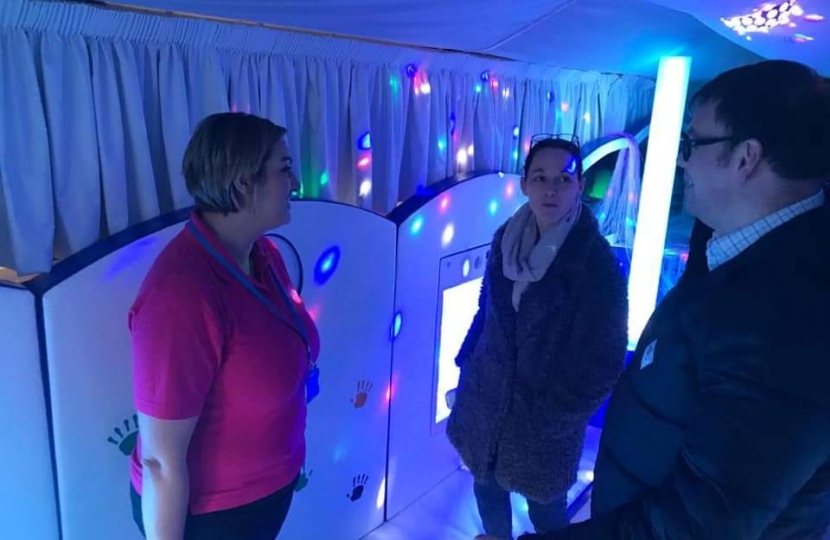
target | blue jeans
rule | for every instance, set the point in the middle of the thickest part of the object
(497, 515)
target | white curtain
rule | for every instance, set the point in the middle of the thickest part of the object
(97, 107)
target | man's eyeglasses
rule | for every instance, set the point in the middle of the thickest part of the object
(687, 144)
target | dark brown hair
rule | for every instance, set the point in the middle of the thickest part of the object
(782, 104)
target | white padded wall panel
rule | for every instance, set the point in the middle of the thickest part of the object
(27, 491)
(90, 374)
(347, 256)
(463, 217)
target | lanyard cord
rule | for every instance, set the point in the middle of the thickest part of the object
(297, 327)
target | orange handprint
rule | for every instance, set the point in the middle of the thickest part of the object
(363, 388)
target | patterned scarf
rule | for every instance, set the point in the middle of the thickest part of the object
(525, 259)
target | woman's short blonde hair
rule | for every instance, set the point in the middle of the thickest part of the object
(227, 147)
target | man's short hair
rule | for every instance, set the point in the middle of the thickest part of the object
(226, 147)
(785, 106)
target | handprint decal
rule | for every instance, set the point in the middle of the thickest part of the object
(302, 481)
(363, 388)
(126, 438)
(358, 486)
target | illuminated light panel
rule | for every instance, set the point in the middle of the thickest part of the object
(417, 225)
(801, 38)
(365, 188)
(326, 265)
(478, 88)
(442, 143)
(324, 178)
(364, 162)
(364, 142)
(510, 190)
(765, 18)
(813, 17)
(425, 88)
(656, 192)
(471, 150)
(381, 498)
(461, 157)
(515, 132)
(447, 235)
(493, 207)
(565, 106)
(397, 322)
(445, 203)
(465, 268)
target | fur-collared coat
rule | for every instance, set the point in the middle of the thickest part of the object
(530, 381)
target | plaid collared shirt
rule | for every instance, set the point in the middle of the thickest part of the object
(722, 249)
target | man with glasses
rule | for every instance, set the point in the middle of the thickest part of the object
(720, 426)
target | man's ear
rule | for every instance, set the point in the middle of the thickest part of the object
(749, 155)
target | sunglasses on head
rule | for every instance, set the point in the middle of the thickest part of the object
(687, 144)
(569, 137)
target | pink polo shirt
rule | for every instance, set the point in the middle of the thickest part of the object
(204, 346)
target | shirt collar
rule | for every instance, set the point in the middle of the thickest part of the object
(722, 248)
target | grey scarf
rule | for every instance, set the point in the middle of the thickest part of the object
(524, 259)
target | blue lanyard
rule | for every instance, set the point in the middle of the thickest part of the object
(297, 327)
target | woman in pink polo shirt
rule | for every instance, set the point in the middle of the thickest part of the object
(223, 348)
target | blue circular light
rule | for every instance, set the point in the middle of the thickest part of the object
(326, 265)
(493, 207)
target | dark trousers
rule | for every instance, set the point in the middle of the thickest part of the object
(497, 515)
(259, 520)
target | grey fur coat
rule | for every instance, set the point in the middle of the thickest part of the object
(530, 381)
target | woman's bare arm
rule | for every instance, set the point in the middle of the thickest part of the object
(165, 478)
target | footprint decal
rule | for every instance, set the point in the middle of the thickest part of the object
(126, 437)
(302, 481)
(358, 487)
(363, 388)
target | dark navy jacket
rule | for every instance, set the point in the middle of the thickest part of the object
(720, 426)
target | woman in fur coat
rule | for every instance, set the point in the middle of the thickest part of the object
(544, 350)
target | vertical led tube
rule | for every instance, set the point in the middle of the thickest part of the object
(656, 193)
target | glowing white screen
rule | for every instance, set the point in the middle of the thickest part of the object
(459, 305)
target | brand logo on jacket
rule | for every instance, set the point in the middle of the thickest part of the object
(648, 355)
